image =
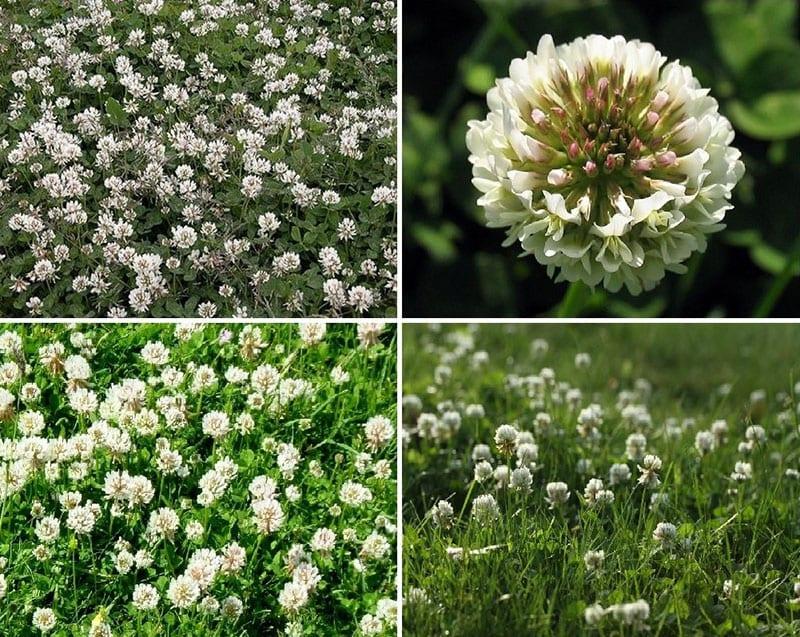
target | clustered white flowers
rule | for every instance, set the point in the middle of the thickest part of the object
(634, 614)
(225, 159)
(603, 162)
(196, 501)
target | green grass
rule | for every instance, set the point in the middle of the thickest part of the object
(535, 581)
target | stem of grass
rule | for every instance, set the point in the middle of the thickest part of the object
(466, 501)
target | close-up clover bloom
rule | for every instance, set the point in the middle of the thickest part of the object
(606, 163)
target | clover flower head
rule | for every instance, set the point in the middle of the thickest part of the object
(485, 509)
(557, 494)
(665, 534)
(442, 514)
(483, 471)
(505, 437)
(594, 560)
(631, 614)
(521, 480)
(704, 442)
(729, 588)
(648, 470)
(742, 471)
(619, 473)
(603, 161)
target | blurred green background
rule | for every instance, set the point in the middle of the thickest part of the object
(686, 362)
(746, 51)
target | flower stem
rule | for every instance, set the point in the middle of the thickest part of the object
(779, 283)
(574, 301)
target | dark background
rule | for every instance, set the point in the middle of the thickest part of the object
(745, 51)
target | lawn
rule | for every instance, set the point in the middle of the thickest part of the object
(677, 449)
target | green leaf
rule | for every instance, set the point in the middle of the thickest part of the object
(775, 69)
(174, 308)
(737, 34)
(246, 457)
(115, 112)
(439, 242)
(773, 116)
(770, 259)
(777, 16)
(742, 238)
(767, 258)
(742, 31)
(425, 158)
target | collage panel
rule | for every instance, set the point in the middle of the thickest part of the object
(198, 480)
(612, 479)
(198, 158)
(611, 159)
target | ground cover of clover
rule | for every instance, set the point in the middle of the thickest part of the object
(197, 158)
(601, 480)
(197, 480)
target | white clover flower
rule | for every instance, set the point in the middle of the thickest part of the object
(374, 547)
(704, 442)
(442, 514)
(619, 474)
(665, 534)
(379, 431)
(293, 597)
(216, 424)
(483, 471)
(594, 560)
(323, 541)
(583, 360)
(527, 454)
(370, 625)
(635, 446)
(231, 607)
(48, 529)
(604, 163)
(145, 597)
(742, 471)
(44, 619)
(632, 614)
(183, 591)
(474, 411)
(505, 437)
(354, 494)
(481, 452)
(155, 353)
(521, 480)
(648, 470)
(81, 519)
(485, 509)
(557, 494)
(596, 495)
(594, 614)
(720, 430)
(312, 333)
(268, 515)
(728, 588)
(755, 434)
